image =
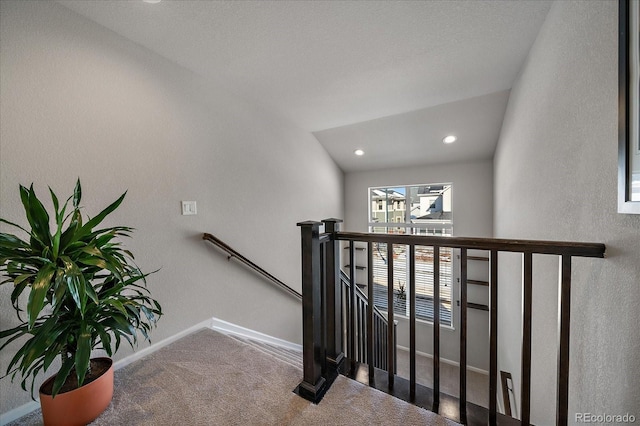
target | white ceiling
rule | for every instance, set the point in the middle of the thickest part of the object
(415, 138)
(325, 64)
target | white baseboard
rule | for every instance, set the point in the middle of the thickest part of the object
(27, 408)
(213, 323)
(154, 347)
(447, 361)
(229, 328)
(216, 324)
(18, 412)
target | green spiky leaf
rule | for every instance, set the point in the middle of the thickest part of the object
(84, 291)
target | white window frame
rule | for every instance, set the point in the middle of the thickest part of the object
(416, 228)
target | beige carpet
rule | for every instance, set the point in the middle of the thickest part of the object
(208, 378)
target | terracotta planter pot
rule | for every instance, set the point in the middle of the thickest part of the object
(79, 406)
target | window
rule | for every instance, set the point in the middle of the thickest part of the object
(418, 210)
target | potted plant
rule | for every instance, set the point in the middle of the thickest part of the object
(84, 292)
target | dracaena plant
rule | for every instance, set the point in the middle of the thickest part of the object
(83, 290)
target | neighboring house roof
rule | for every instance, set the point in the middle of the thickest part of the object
(381, 193)
(432, 189)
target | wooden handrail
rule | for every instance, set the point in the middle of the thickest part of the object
(234, 254)
(517, 246)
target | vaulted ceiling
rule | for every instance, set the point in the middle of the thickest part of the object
(385, 76)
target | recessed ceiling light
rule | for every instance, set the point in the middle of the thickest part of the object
(359, 152)
(152, 1)
(449, 139)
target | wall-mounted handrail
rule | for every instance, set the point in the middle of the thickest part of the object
(317, 246)
(232, 253)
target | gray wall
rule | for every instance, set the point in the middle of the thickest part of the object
(80, 101)
(473, 217)
(555, 178)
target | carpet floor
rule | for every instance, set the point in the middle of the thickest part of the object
(208, 378)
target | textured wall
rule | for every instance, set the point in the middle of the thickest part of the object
(472, 212)
(79, 101)
(555, 178)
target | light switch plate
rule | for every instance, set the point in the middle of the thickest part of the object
(189, 208)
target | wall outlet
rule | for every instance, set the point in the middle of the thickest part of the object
(189, 208)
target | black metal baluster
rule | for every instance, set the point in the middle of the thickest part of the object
(385, 351)
(376, 345)
(352, 307)
(436, 329)
(493, 337)
(390, 313)
(347, 316)
(370, 330)
(360, 336)
(563, 344)
(323, 309)
(412, 322)
(527, 293)
(463, 336)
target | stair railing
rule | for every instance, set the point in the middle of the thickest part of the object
(233, 254)
(357, 333)
(323, 337)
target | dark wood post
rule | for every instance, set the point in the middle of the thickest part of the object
(312, 386)
(371, 334)
(335, 353)
(352, 311)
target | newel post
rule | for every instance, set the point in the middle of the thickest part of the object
(335, 353)
(313, 384)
